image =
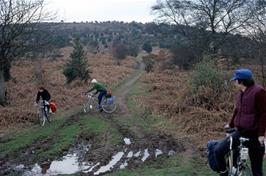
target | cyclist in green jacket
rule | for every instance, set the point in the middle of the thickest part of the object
(100, 88)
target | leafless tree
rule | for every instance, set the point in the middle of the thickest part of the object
(18, 20)
(216, 16)
(256, 30)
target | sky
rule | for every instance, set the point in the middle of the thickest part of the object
(102, 10)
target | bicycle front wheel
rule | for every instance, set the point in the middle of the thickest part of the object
(42, 118)
(87, 107)
(108, 107)
(90, 106)
(244, 171)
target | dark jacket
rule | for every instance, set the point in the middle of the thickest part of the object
(250, 112)
(44, 95)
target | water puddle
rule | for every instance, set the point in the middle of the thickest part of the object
(145, 155)
(130, 154)
(158, 152)
(70, 163)
(124, 165)
(116, 158)
(137, 154)
(127, 141)
(73, 161)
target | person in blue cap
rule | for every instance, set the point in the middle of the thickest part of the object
(249, 119)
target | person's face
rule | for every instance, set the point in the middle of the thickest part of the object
(40, 90)
(237, 85)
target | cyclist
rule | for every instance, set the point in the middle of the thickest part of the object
(44, 95)
(100, 88)
(249, 119)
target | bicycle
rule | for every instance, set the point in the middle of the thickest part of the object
(43, 112)
(242, 168)
(108, 104)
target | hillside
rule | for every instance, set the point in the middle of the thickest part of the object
(28, 75)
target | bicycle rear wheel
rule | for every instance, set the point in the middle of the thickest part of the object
(108, 107)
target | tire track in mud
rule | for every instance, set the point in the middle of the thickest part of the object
(102, 152)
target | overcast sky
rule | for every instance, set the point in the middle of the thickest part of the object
(102, 10)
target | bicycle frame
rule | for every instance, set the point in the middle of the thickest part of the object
(92, 103)
(43, 113)
(241, 159)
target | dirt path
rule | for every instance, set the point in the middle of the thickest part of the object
(123, 91)
(99, 139)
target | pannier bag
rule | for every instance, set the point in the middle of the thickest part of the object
(53, 107)
(211, 155)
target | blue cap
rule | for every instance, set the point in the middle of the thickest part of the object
(242, 74)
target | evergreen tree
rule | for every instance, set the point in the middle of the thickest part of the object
(76, 66)
(147, 47)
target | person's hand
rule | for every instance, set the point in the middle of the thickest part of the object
(261, 140)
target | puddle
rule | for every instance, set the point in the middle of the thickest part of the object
(73, 161)
(145, 155)
(130, 154)
(91, 168)
(158, 152)
(127, 141)
(171, 152)
(137, 154)
(116, 158)
(124, 165)
(69, 164)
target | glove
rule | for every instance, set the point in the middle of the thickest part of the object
(261, 140)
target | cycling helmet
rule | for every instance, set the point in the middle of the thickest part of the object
(94, 81)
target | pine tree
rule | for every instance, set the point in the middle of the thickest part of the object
(77, 66)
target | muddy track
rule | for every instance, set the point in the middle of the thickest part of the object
(102, 152)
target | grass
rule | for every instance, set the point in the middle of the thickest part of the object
(147, 121)
(175, 165)
(26, 137)
(66, 137)
(99, 127)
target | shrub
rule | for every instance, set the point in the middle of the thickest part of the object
(147, 47)
(149, 63)
(76, 66)
(208, 85)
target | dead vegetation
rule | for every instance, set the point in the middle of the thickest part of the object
(28, 75)
(199, 116)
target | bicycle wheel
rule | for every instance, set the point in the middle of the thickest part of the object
(86, 107)
(244, 171)
(107, 106)
(42, 117)
(90, 106)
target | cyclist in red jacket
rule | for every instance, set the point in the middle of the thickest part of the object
(249, 118)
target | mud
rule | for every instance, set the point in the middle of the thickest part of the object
(92, 159)
(88, 155)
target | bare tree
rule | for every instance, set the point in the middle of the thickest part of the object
(216, 16)
(18, 20)
(257, 32)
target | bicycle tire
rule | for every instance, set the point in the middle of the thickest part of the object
(90, 106)
(42, 117)
(86, 107)
(108, 108)
(244, 171)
